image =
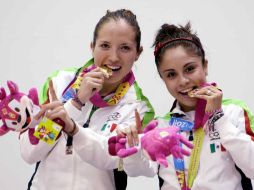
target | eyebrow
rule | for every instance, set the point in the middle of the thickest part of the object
(103, 41)
(126, 44)
(168, 70)
(186, 65)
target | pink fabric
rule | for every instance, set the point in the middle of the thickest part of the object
(10, 115)
(157, 142)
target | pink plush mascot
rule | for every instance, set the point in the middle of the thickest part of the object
(157, 143)
(16, 111)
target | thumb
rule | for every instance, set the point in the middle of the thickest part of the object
(52, 92)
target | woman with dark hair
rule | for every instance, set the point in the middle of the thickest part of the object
(92, 101)
(221, 130)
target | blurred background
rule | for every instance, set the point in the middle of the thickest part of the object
(41, 36)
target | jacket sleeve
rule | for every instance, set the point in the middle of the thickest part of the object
(93, 147)
(33, 153)
(89, 145)
(235, 129)
(139, 165)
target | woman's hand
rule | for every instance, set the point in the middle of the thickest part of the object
(132, 131)
(91, 82)
(55, 110)
(212, 95)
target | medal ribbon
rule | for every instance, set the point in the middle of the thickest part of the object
(195, 156)
(96, 99)
(200, 119)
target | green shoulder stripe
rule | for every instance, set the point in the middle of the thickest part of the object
(149, 115)
(237, 102)
(242, 105)
(43, 97)
(167, 116)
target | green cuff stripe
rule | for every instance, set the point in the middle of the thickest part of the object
(149, 115)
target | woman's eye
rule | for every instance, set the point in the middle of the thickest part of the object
(189, 69)
(171, 75)
(125, 48)
(105, 46)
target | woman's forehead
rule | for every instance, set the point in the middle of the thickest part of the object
(116, 30)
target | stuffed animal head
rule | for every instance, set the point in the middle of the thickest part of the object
(16, 109)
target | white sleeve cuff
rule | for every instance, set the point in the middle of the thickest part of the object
(139, 165)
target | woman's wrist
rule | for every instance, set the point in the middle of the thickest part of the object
(77, 102)
(216, 115)
(73, 130)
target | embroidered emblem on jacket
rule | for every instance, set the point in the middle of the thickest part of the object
(111, 126)
(114, 116)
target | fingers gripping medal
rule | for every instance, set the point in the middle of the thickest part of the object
(192, 93)
(107, 72)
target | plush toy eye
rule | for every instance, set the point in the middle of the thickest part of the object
(14, 123)
(17, 109)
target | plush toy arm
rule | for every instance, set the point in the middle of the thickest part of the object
(4, 130)
(185, 141)
(117, 147)
(151, 125)
(115, 144)
(122, 153)
(175, 146)
(161, 158)
(33, 140)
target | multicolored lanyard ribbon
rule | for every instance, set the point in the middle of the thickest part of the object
(96, 99)
(195, 156)
(121, 90)
(200, 119)
(183, 125)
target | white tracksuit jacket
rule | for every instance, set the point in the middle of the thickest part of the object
(89, 167)
(217, 167)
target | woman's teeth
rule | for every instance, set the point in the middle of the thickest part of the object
(114, 68)
(186, 91)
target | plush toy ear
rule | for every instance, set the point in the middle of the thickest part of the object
(2, 93)
(4, 130)
(33, 95)
(13, 87)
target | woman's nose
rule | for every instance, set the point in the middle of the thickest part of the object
(183, 80)
(114, 57)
